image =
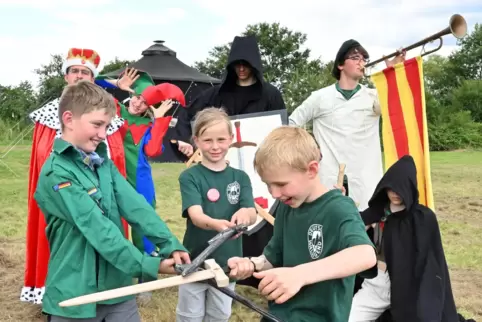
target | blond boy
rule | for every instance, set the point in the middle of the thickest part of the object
(319, 241)
(84, 197)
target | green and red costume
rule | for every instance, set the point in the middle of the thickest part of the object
(142, 137)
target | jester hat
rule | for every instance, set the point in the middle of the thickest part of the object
(153, 94)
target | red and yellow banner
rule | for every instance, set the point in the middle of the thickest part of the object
(404, 122)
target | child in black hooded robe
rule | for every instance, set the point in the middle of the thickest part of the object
(406, 234)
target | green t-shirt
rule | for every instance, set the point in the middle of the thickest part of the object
(234, 192)
(311, 232)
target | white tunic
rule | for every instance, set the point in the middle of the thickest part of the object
(347, 131)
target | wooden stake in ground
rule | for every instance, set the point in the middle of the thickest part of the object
(212, 271)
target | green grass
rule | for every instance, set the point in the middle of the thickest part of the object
(456, 179)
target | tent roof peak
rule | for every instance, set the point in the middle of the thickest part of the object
(158, 48)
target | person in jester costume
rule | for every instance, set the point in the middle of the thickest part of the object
(80, 64)
(143, 132)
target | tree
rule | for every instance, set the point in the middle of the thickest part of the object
(51, 79)
(214, 65)
(115, 65)
(468, 97)
(438, 77)
(281, 52)
(16, 101)
(304, 80)
(467, 60)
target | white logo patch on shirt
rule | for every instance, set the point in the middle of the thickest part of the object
(232, 192)
(315, 240)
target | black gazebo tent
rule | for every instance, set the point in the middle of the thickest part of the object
(163, 66)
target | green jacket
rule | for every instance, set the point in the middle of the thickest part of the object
(88, 250)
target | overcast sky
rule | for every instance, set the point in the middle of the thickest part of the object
(32, 30)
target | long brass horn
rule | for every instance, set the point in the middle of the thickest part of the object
(457, 27)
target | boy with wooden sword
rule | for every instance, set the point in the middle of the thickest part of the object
(84, 199)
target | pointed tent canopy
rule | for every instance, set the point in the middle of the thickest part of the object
(162, 64)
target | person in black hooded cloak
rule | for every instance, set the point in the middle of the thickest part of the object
(413, 280)
(243, 90)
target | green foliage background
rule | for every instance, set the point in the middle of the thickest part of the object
(453, 84)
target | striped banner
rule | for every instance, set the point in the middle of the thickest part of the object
(404, 123)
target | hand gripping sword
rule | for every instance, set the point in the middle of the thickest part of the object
(214, 243)
(195, 267)
(201, 269)
(190, 274)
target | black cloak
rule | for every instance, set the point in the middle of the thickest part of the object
(420, 282)
(235, 99)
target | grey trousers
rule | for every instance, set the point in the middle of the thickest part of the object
(122, 312)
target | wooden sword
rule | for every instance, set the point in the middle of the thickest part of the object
(211, 271)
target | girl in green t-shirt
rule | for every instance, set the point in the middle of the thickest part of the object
(215, 196)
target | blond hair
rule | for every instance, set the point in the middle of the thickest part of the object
(208, 117)
(84, 97)
(286, 146)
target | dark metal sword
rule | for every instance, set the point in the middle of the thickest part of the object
(235, 296)
(214, 244)
(244, 301)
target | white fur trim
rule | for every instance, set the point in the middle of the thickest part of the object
(32, 294)
(78, 61)
(48, 115)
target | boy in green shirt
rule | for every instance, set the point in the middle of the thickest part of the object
(215, 197)
(319, 243)
(83, 197)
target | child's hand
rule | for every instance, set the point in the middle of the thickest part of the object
(279, 284)
(127, 79)
(185, 148)
(162, 110)
(221, 224)
(167, 266)
(243, 216)
(342, 188)
(241, 268)
(181, 257)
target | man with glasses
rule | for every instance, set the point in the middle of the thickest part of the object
(346, 118)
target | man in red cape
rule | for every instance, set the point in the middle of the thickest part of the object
(80, 64)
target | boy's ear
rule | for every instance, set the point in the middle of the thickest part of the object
(313, 168)
(67, 118)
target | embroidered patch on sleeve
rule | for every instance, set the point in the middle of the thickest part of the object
(92, 191)
(61, 185)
